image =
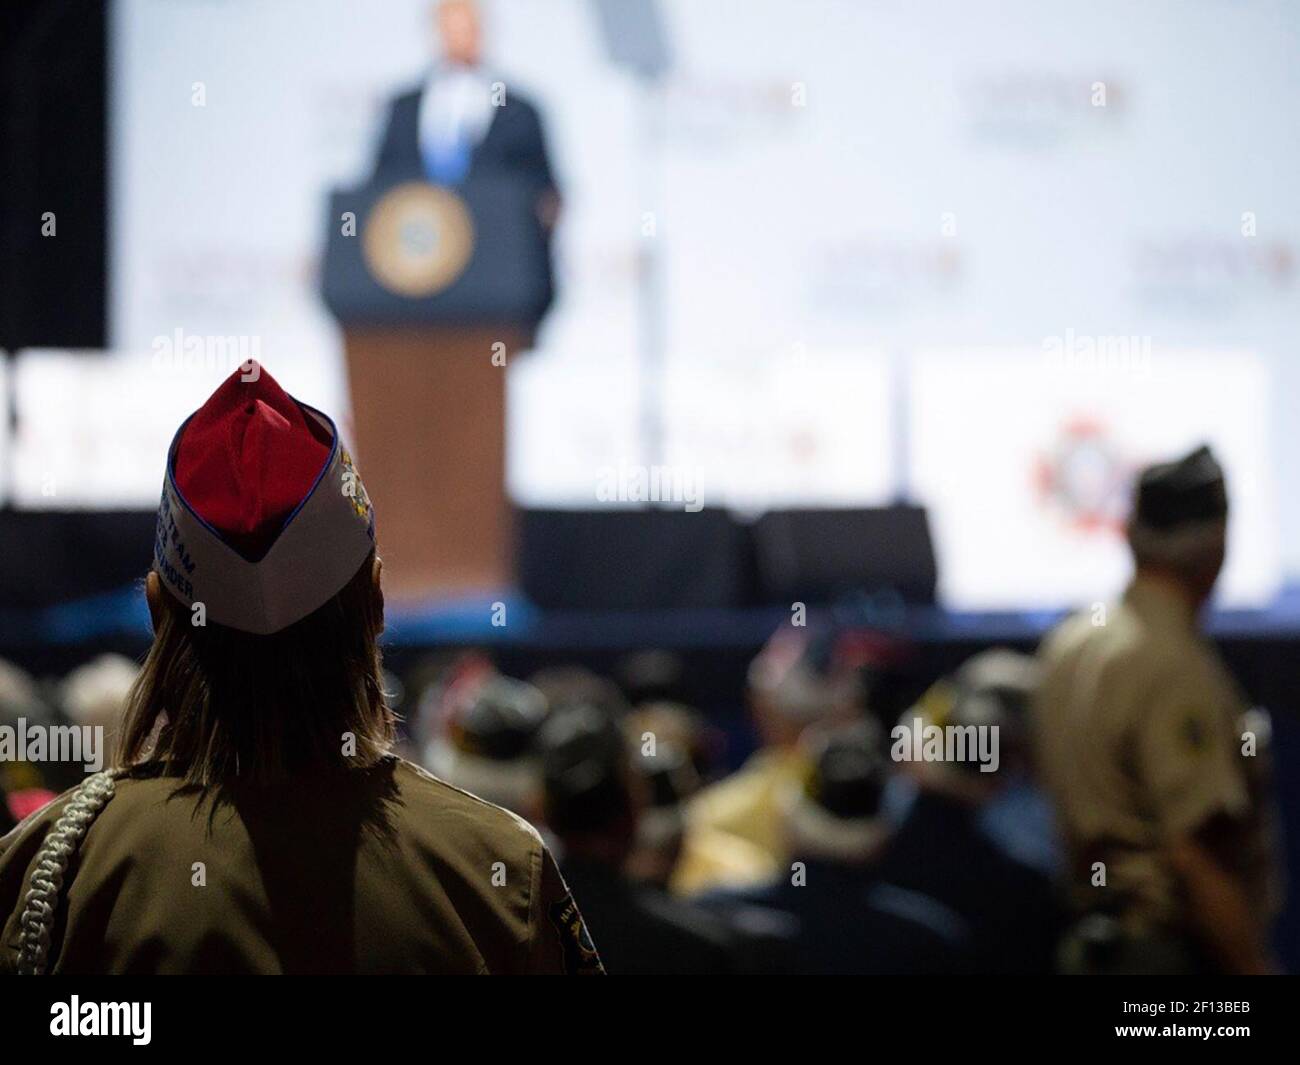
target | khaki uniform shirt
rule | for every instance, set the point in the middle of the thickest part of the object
(712, 859)
(746, 806)
(383, 870)
(1139, 742)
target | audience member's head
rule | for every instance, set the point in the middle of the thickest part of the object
(95, 695)
(1011, 680)
(979, 720)
(428, 684)
(669, 779)
(1011, 676)
(25, 786)
(265, 598)
(799, 679)
(1179, 523)
(576, 685)
(592, 802)
(835, 814)
(651, 675)
(488, 745)
(18, 693)
(683, 727)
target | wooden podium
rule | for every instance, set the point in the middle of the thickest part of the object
(436, 290)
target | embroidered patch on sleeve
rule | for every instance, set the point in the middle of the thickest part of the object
(580, 957)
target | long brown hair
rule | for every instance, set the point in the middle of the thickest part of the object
(212, 703)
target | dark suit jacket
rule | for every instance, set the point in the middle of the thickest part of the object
(641, 931)
(514, 143)
(939, 851)
(843, 921)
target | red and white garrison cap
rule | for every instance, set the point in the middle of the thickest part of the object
(263, 517)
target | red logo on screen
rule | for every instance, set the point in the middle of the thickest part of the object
(1085, 478)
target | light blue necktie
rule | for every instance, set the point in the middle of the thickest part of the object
(447, 163)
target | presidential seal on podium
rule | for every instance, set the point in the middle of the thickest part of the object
(425, 288)
(418, 239)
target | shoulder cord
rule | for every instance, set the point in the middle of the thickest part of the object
(52, 861)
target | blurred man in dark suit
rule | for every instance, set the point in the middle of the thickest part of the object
(464, 122)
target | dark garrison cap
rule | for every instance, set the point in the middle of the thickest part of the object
(669, 773)
(584, 768)
(849, 778)
(1188, 491)
(501, 720)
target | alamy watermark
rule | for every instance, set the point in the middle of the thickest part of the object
(77, 1018)
(25, 742)
(179, 350)
(1089, 354)
(919, 742)
(630, 483)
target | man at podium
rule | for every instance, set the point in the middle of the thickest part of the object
(443, 281)
(463, 120)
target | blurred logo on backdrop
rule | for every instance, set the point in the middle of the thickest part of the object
(883, 271)
(418, 239)
(1043, 108)
(1085, 478)
(1209, 270)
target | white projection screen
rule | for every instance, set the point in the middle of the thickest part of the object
(908, 249)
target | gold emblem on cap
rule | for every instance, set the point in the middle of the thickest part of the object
(418, 239)
(353, 489)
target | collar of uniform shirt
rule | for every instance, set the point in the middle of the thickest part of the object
(1160, 601)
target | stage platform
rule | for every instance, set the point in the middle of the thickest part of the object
(507, 618)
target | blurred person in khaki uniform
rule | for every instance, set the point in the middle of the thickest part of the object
(257, 821)
(1140, 741)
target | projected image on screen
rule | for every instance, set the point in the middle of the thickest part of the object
(917, 221)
